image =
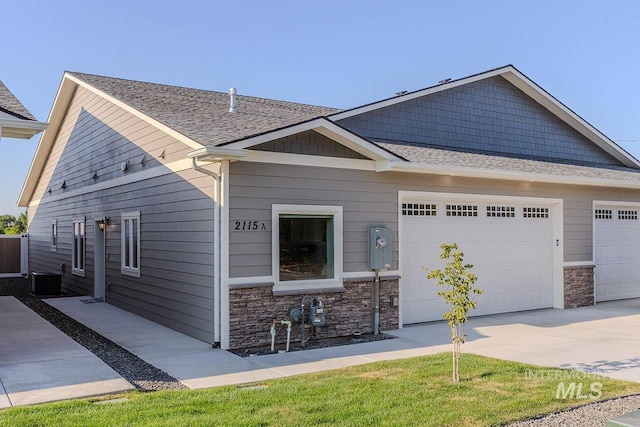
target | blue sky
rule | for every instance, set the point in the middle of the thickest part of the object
(339, 54)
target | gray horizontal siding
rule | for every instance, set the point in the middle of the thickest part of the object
(175, 287)
(176, 266)
(488, 115)
(371, 198)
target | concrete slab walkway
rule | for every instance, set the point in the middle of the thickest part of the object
(39, 363)
(598, 338)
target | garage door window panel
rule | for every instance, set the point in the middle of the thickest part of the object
(535, 212)
(461, 210)
(501, 211)
(627, 214)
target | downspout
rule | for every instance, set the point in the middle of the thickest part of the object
(217, 248)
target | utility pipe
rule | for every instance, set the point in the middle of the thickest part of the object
(303, 343)
(288, 323)
(376, 303)
(273, 335)
(217, 247)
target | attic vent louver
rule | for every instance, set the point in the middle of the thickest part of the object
(232, 96)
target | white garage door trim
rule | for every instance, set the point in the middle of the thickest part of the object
(557, 226)
(604, 204)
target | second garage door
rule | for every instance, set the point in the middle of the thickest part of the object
(617, 252)
(510, 244)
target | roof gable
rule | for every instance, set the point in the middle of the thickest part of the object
(524, 84)
(489, 115)
(310, 143)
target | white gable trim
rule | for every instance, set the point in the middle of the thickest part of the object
(531, 89)
(326, 128)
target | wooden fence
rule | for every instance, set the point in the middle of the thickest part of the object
(14, 255)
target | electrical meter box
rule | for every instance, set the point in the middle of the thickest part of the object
(379, 248)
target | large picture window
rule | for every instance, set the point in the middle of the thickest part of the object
(78, 250)
(131, 244)
(307, 245)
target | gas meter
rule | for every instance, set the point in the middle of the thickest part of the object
(316, 313)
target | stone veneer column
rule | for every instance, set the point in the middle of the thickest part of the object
(579, 286)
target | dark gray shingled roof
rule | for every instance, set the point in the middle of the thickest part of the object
(204, 115)
(10, 104)
(417, 153)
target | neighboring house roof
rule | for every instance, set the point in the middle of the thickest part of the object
(203, 115)
(11, 105)
(15, 120)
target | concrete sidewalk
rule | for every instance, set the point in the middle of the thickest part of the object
(587, 338)
(38, 363)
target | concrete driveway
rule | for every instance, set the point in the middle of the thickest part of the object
(38, 363)
(603, 338)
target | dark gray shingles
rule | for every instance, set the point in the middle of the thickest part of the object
(10, 104)
(204, 115)
(416, 153)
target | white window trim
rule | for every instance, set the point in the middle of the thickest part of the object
(74, 270)
(129, 271)
(292, 285)
(54, 235)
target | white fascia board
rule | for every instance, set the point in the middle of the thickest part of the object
(564, 113)
(216, 154)
(417, 94)
(309, 160)
(56, 115)
(324, 127)
(508, 175)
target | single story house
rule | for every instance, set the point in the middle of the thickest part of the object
(215, 213)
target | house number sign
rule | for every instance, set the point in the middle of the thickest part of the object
(249, 225)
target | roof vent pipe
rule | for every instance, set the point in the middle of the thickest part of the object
(232, 96)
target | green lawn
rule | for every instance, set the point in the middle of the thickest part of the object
(405, 392)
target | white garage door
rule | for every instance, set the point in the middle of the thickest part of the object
(617, 252)
(509, 244)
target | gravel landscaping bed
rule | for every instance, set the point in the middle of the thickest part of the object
(589, 415)
(312, 344)
(142, 375)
